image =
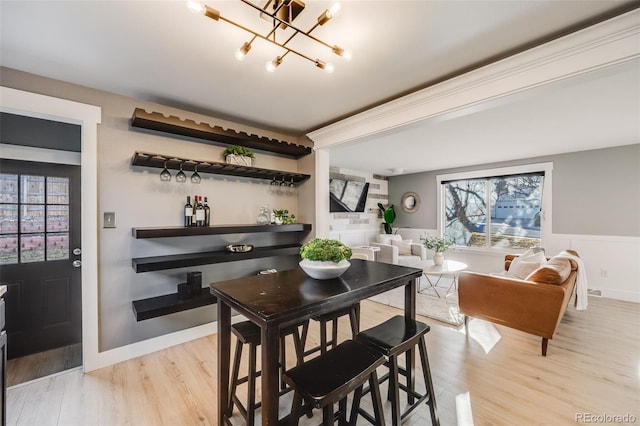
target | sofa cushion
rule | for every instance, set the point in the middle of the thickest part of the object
(555, 271)
(525, 264)
(404, 247)
(387, 238)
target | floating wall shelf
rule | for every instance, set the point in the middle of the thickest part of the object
(177, 126)
(173, 261)
(169, 303)
(181, 231)
(158, 161)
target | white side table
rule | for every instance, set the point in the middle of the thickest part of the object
(450, 268)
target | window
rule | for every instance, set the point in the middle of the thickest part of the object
(34, 218)
(496, 209)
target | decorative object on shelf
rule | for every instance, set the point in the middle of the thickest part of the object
(209, 132)
(236, 154)
(283, 217)
(410, 202)
(389, 215)
(145, 159)
(439, 246)
(324, 258)
(282, 14)
(263, 216)
(239, 248)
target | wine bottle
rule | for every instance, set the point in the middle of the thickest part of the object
(207, 213)
(199, 212)
(188, 212)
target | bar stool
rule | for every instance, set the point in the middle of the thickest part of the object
(392, 338)
(248, 333)
(332, 317)
(331, 376)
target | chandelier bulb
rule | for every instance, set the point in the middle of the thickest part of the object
(242, 51)
(195, 6)
(272, 65)
(326, 66)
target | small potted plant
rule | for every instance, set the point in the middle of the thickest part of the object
(389, 215)
(283, 217)
(239, 155)
(439, 246)
(324, 258)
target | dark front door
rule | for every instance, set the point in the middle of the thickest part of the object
(40, 255)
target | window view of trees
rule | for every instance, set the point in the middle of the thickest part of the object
(503, 212)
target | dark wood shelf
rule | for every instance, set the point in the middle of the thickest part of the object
(158, 161)
(169, 303)
(181, 231)
(212, 133)
(158, 263)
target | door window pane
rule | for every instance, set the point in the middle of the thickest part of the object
(32, 189)
(8, 218)
(32, 248)
(32, 218)
(57, 190)
(8, 249)
(57, 218)
(8, 188)
(58, 246)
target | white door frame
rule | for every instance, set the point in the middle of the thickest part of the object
(88, 117)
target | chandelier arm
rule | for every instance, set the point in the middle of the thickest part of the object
(298, 30)
(255, 34)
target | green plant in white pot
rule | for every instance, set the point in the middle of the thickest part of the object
(439, 246)
(324, 258)
(239, 155)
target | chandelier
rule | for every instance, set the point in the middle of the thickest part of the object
(282, 13)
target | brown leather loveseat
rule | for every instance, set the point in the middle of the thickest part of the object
(535, 304)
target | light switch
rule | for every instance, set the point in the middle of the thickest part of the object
(109, 220)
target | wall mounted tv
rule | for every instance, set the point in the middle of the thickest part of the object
(347, 195)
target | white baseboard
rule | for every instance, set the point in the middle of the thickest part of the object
(134, 350)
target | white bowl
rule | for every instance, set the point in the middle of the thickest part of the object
(324, 270)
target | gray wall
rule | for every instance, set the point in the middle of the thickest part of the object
(140, 199)
(595, 192)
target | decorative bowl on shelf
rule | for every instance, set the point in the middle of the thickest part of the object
(239, 248)
(324, 270)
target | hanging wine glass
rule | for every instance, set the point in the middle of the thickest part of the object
(292, 187)
(195, 177)
(181, 176)
(165, 176)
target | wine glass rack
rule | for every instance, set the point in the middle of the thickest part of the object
(159, 161)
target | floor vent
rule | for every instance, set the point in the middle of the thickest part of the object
(593, 292)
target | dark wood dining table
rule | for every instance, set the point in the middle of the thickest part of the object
(285, 298)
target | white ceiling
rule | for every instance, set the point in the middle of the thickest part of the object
(159, 51)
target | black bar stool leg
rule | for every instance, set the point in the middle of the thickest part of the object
(435, 420)
(377, 400)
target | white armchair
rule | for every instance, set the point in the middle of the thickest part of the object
(362, 252)
(395, 250)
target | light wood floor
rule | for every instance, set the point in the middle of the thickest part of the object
(30, 367)
(495, 377)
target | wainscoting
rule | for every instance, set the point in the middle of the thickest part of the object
(612, 262)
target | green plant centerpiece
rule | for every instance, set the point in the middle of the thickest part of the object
(236, 154)
(439, 246)
(389, 215)
(283, 217)
(324, 258)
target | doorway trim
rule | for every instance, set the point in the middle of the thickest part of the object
(88, 117)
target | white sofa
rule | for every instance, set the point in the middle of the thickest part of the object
(395, 250)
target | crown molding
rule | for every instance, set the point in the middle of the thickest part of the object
(603, 45)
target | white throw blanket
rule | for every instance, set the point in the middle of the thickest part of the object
(581, 281)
